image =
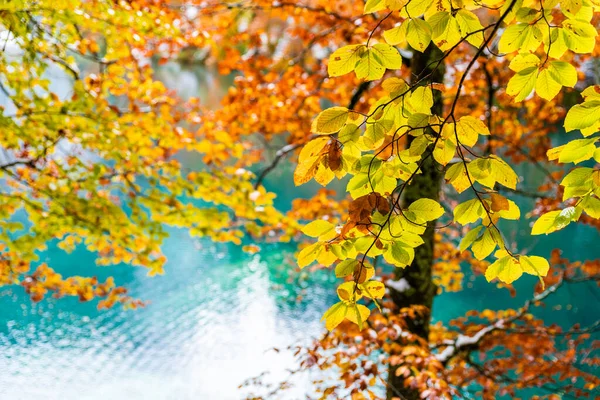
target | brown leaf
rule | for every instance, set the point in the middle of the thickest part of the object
(499, 202)
(335, 156)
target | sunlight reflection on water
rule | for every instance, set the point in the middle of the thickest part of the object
(209, 327)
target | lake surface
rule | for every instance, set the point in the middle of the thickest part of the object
(213, 317)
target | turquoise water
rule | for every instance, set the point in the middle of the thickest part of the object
(210, 324)
(212, 320)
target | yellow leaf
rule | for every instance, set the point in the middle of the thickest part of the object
(444, 151)
(468, 212)
(330, 120)
(318, 228)
(520, 37)
(524, 61)
(347, 292)
(427, 209)
(575, 151)
(503, 173)
(534, 265)
(344, 59)
(373, 289)
(469, 238)
(372, 6)
(507, 269)
(418, 34)
(484, 246)
(469, 128)
(545, 224)
(388, 55)
(585, 117)
(358, 314)
(522, 83)
(469, 23)
(445, 30)
(396, 35)
(335, 315)
(309, 254)
(416, 8)
(546, 86)
(512, 212)
(456, 175)
(421, 99)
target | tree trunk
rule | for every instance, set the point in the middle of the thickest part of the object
(426, 184)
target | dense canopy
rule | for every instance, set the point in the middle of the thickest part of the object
(426, 110)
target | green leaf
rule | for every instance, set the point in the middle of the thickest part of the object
(358, 185)
(468, 212)
(330, 120)
(584, 116)
(522, 83)
(418, 34)
(398, 255)
(552, 79)
(520, 37)
(591, 205)
(470, 238)
(469, 23)
(388, 55)
(346, 268)
(427, 209)
(369, 67)
(350, 133)
(575, 151)
(445, 30)
(578, 183)
(577, 177)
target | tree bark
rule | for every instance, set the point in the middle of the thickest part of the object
(426, 184)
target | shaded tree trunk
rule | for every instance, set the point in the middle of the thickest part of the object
(427, 184)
